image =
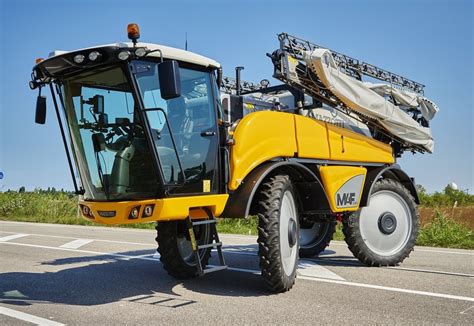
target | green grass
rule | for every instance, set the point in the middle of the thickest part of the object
(238, 226)
(61, 208)
(445, 232)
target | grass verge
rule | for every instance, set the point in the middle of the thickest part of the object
(61, 208)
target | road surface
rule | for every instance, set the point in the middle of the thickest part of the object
(61, 274)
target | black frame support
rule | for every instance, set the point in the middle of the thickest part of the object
(78, 191)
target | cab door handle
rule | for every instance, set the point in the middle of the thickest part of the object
(208, 133)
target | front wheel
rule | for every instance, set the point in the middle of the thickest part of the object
(174, 247)
(278, 229)
(384, 233)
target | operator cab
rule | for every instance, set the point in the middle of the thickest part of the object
(142, 118)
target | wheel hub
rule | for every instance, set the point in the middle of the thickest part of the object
(387, 223)
(292, 232)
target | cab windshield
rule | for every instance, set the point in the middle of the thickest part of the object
(109, 143)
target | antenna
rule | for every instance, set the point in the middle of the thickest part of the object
(186, 42)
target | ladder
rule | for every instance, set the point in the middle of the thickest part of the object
(214, 243)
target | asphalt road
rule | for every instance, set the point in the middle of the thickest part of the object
(55, 274)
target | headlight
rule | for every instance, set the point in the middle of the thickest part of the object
(134, 213)
(148, 210)
(79, 58)
(94, 55)
(123, 55)
(87, 212)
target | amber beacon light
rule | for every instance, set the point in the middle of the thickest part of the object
(133, 32)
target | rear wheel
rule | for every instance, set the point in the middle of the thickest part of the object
(174, 247)
(384, 233)
(278, 233)
(315, 237)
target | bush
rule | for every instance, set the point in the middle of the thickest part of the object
(445, 232)
(447, 198)
(39, 206)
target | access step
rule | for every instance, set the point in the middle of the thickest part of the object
(214, 243)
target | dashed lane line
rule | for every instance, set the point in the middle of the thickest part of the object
(98, 240)
(76, 244)
(27, 317)
(314, 279)
(249, 237)
(12, 237)
(356, 263)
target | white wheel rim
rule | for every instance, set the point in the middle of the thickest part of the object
(287, 213)
(382, 202)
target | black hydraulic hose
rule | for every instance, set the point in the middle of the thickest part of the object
(63, 135)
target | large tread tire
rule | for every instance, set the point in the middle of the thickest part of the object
(321, 242)
(269, 206)
(354, 238)
(168, 235)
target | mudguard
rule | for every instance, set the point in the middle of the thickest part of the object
(311, 192)
(390, 172)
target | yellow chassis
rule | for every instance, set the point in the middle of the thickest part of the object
(261, 137)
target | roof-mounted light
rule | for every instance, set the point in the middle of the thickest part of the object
(94, 55)
(79, 58)
(133, 33)
(140, 52)
(123, 55)
(39, 60)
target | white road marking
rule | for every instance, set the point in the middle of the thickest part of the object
(27, 317)
(410, 269)
(392, 289)
(76, 244)
(99, 240)
(249, 237)
(99, 253)
(311, 269)
(226, 250)
(13, 236)
(305, 267)
(465, 312)
(422, 249)
(429, 271)
(314, 279)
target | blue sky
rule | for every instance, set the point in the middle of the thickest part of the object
(428, 41)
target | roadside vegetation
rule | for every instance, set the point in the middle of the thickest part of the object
(447, 217)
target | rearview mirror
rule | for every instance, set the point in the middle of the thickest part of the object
(170, 79)
(97, 103)
(40, 115)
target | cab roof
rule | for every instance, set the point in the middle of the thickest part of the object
(168, 53)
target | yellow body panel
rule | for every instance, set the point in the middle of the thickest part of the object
(265, 135)
(259, 137)
(346, 145)
(167, 209)
(335, 177)
(311, 137)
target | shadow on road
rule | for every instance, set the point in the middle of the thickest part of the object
(105, 279)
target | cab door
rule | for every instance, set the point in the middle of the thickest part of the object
(184, 130)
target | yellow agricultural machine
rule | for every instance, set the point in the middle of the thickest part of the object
(158, 134)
